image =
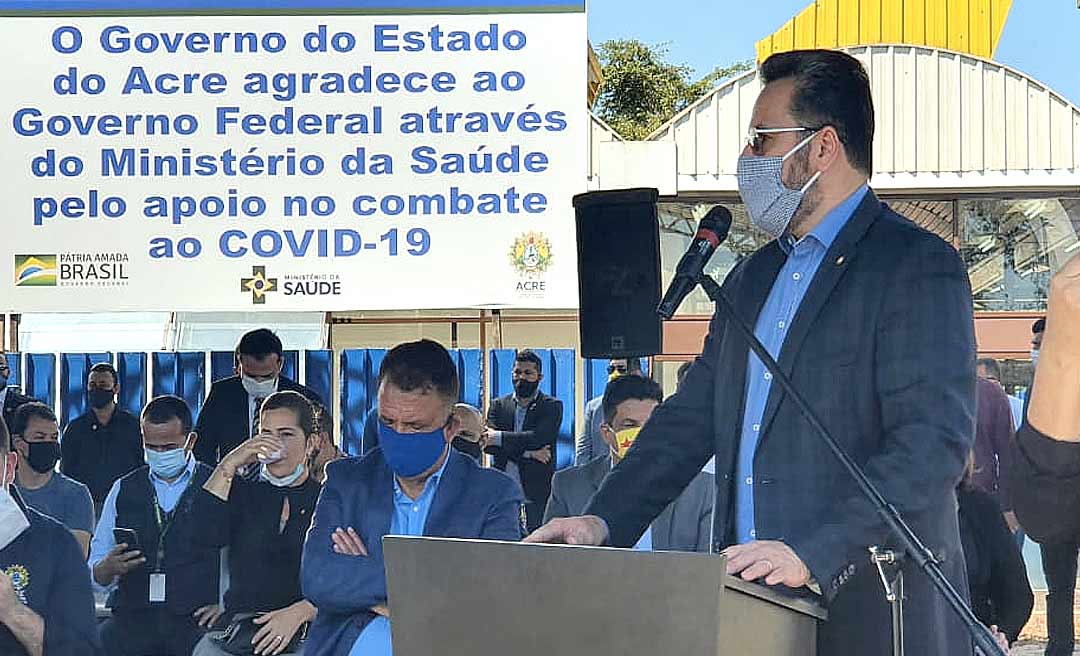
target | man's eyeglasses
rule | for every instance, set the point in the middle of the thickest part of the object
(620, 368)
(755, 137)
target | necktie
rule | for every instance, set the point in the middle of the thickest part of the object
(255, 416)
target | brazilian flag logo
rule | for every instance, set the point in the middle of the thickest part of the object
(35, 271)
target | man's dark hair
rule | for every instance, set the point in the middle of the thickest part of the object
(421, 366)
(163, 409)
(295, 401)
(259, 344)
(324, 420)
(633, 365)
(526, 355)
(681, 373)
(106, 368)
(831, 88)
(1039, 326)
(28, 411)
(992, 365)
(625, 388)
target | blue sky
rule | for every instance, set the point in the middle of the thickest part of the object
(1041, 37)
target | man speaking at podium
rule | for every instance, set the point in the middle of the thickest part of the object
(871, 316)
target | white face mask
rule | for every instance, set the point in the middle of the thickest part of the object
(283, 481)
(260, 389)
(769, 202)
(12, 519)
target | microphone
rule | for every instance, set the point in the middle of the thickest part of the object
(712, 230)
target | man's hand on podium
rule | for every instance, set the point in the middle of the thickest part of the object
(589, 531)
(774, 561)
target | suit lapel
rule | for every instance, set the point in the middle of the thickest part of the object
(446, 497)
(380, 502)
(836, 262)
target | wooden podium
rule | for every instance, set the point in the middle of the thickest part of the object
(507, 599)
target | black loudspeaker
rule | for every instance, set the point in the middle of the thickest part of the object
(618, 240)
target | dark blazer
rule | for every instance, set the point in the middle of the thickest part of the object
(997, 577)
(223, 421)
(685, 525)
(470, 502)
(883, 349)
(541, 428)
(12, 400)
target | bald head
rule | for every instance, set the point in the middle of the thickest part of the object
(470, 422)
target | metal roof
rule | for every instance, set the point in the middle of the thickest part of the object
(946, 121)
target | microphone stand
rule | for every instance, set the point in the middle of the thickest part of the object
(909, 541)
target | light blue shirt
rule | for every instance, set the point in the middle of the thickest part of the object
(803, 260)
(409, 519)
(168, 495)
(644, 543)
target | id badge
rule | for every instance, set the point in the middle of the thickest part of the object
(157, 587)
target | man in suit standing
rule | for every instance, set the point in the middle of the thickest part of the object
(871, 316)
(628, 402)
(522, 429)
(230, 414)
(10, 398)
(413, 483)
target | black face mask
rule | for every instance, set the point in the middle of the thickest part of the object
(42, 456)
(524, 389)
(100, 398)
(471, 449)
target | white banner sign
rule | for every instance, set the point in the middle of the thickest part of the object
(410, 161)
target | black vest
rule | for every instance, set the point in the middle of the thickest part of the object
(191, 574)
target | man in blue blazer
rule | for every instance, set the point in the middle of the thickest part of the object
(412, 484)
(871, 317)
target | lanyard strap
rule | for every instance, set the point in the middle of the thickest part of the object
(165, 519)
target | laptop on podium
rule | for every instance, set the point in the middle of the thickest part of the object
(485, 598)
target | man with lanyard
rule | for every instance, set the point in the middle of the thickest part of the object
(157, 576)
(45, 602)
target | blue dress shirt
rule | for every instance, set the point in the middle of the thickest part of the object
(795, 277)
(168, 495)
(409, 519)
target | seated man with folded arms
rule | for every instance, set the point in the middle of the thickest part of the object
(412, 484)
(628, 402)
(263, 522)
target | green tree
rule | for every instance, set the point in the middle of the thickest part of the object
(642, 89)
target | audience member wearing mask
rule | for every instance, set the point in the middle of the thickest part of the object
(686, 524)
(1045, 478)
(469, 438)
(35, 436)
(104, 444)
(230, 414)
(46, 606)
(162, 579)
(10, 398)
(591, 444)
(521, 435)
(997, 578)
(1037, 330)
(326, 449)
(263, 522)
(413, 484)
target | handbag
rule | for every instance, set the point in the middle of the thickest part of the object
(237, 636)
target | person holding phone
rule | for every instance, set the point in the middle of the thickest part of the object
(144, 553)
(263, 522)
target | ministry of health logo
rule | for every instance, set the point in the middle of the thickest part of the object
(35, 270)
(531, 253)
(258, 284)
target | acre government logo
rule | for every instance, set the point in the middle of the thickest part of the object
(35, 270)
(531, 256)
